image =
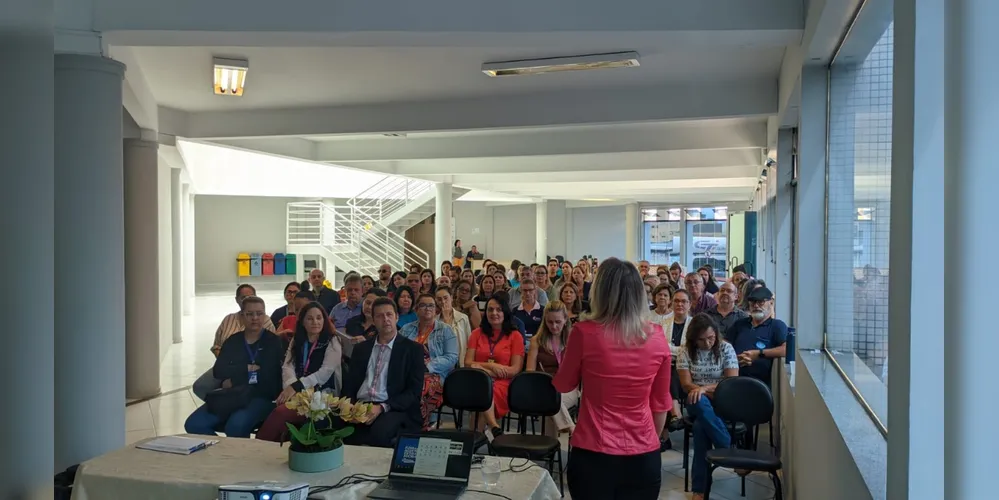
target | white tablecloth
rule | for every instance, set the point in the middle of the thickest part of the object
(134, 474)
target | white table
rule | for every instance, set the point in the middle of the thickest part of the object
(134, 474)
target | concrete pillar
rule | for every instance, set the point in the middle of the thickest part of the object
(969, 177)
(142, 235)
(188, 255)
(443, 226)
(631, 232)
(783, 210)
(541, 232)
(177, 245)
(26, 215)
(89, 251)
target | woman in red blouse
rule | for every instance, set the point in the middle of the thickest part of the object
(623, 361)
(497, 348)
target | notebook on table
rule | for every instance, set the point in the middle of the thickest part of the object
(179, 445)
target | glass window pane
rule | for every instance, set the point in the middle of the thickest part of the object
(707, 244)
(661, 243)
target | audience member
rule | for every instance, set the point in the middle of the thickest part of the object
(513, 275)
(446, 266)
(367, 283)
(312, 361)
(384, 277)
(398, 279)
(529, 311)
(231, 324)
(707, 273)
(249, 368)
(428, 282)
(443, 281)
(286, 330)
(328, 298)
(362, 326)
(415, 283)
(515, 294)
(290, 290)
(661, 310)
(352, 306)
(626, 373)
(675, 326)
(457, 320)
(544, 284)
(465, 302)
(643, 269)
(405, 299)
(502, 285)
(578, 277)
(440, 353)
(699, 300)
(569, 295)
(553, 271)
(760, 338)
(704, 360)
(496, 348)
(676, 275)
(748, 286)
(546, 353)
(486, 289)
(386, 370)
(725, 314)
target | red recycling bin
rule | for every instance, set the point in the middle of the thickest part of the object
(268, 264)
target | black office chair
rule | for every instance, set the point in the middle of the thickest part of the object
(748, 401)
(467, 389)
(533, 395)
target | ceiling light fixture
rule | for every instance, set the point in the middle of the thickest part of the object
(558, 64)
(230, 76)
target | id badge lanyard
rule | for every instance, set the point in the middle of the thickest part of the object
(492, 350)
(307, 356)
(252, 353)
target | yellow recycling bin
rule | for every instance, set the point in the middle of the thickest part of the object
(243, 264)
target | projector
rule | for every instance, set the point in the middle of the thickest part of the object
(264, 491)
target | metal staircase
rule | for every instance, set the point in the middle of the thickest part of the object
(369, 230)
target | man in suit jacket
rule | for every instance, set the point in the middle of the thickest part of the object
(387, 369)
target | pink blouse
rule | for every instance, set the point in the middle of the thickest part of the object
(621, 388)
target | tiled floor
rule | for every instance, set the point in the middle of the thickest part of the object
(186, 361)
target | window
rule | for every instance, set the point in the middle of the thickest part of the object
(859, 215)
(661, 236)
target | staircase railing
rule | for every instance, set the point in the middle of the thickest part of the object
(389, 195)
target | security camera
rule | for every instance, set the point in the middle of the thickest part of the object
(771, 162)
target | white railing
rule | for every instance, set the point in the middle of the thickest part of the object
(389, 195)
(361, 242)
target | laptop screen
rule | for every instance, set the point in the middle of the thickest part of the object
(445, 457)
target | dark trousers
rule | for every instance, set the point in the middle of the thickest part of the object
(382, 432)
(601, 476)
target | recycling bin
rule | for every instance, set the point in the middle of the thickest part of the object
(279, 262)
(268, 264)
(243, 265)
(255, 264)
(290, 266)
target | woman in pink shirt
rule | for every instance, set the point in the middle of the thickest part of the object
(623, 361)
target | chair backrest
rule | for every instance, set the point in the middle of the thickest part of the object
(532, 394)
(743, 399)
(468, 389)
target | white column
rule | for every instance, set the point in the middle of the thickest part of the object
(783, 209)
(188, 257)
(631, 221)
(26, 215)
(541, 232)
(443, 225)
(177, 245)
(89, 251)
(970, 238)
(142, 248)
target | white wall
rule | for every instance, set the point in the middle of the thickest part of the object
(165, 270)
(556, 228)
(597, 231)
(473, 225)
(227, 225)
(514, 232)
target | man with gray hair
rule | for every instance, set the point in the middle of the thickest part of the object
(726, 313)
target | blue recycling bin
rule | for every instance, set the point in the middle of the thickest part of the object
(256, 264)
(279, 263)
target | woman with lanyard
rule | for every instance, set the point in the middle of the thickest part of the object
(457, 320)
(545, 355)
(496, 348)
(312, 360)
(440, 353)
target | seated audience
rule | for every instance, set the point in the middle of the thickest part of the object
(453, 274)
(290, 290)
(387, 370)
(578, 278)
(443, 281)
(515, 294)
(760, 338)
(704, 360)
(748, 286)
(446, 267)
(311, 361)
(624, 364)
(415, 283)
(545, 355)
(676, 276)
(529, 311)
(467, 275)
(405, 299)
(362, 327)
(725, 314)
(708, 274)
(643, 269)
(661, 306)
(286, 330)
(544, 284)
(367, 283)
(675, 326)
(350, 307)
(513, 274)
(398, 279)
(553, 271)
(328, 298)
(249, 368)
(569, 295)
(231, 324)
(385, 277)
(700, 301)
(498, 349)
(428, 283)
(440, 353)
(465, 301)
(457, 320)
(486, 290)
(502, 285)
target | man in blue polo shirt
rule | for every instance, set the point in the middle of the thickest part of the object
(760, 338)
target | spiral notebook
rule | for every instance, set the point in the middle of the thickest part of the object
(179, 445)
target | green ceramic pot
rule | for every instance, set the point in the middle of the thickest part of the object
(315, 462)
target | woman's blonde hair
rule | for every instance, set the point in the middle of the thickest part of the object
(618, 301)
(544, 335)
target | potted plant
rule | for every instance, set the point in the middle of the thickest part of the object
(318, 450)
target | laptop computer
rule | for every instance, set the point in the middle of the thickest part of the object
(429, 466)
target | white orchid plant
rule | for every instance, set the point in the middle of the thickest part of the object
(317, 406)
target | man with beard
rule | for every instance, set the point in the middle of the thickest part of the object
(758, 339)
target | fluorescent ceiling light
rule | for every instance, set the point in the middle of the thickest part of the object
(556, 64)
(230, 76)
